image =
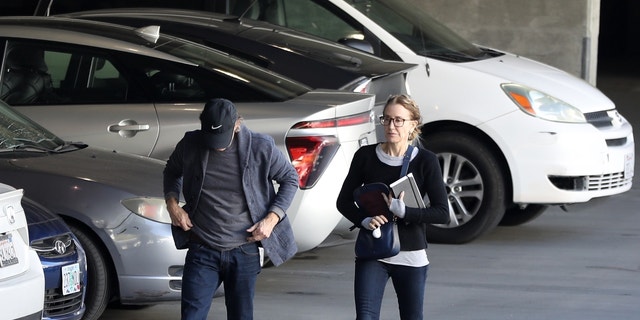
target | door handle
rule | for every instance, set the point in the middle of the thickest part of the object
(127, 128)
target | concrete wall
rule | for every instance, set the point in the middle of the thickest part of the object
(561, 33)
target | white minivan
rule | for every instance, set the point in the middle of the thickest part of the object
(513, 135)
(21, 274)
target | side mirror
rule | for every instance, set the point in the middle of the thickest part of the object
(362, 45)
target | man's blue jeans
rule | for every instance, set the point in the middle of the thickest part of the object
(371, 278)
(205, 269)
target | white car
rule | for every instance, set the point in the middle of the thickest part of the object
(21, 275)
(513, 135)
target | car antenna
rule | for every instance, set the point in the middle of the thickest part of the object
(43, 8)
(246, 10)
(149, 33)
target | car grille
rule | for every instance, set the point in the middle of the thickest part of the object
(616, 142)
(55, 247)
(599, 119)
(607, 119)
(591, 183)
(607, 181)
(56, 304)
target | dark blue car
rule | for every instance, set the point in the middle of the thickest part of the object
(62, 259)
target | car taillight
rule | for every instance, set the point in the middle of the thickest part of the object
(353, 120)
(310, 156)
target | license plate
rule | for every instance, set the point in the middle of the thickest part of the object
(628, 165)
(8, 254)
(70, 279)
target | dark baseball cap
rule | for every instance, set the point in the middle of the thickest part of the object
(218, 119)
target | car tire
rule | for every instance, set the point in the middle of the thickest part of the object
(516, 216)
(475, 184)
(98, 287)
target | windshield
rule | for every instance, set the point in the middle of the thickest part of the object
(19, 132)
(416, 29)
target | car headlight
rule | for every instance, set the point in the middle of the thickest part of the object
(542, 105)
(150, 208)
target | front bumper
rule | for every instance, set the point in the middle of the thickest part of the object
(148, 265)
(561, 163)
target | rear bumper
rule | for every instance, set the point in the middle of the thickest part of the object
(23, 296)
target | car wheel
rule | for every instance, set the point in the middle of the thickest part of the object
(98, 287)
(475, 187)
(516, 216)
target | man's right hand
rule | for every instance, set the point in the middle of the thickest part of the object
(179, 217)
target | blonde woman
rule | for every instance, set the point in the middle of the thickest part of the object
(382, 163)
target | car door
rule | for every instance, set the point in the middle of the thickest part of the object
(85, 97)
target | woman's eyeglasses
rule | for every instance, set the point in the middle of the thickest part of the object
(398, 122)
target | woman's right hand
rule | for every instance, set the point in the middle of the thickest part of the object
(375, 222)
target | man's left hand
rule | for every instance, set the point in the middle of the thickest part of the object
(263, 228)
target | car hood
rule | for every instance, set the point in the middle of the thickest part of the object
(510, 68)
(136, 175)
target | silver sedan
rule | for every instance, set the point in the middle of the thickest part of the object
(137, 91)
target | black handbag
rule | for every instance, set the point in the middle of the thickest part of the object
(369, 199)
(388, 245)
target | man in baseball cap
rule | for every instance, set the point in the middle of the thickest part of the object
(226, 173)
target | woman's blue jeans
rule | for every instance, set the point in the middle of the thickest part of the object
(371, 278)
(205, 269)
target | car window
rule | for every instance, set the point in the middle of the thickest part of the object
(85, 76)
(25, 76)
(309, 17)
(58, 63)
(175, 86)
(38, 74)
(46, 73)
(103, 84)
(104, 80)
(319, 18)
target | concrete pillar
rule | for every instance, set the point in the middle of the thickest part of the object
(563, 34)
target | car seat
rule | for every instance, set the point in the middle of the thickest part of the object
(25, 78)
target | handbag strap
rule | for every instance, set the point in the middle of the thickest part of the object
(405, 161)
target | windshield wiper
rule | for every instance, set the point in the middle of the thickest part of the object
(25, 147)
(452, 56)
(38, 148)
(70, 146)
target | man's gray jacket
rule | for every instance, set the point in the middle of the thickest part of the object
(261, 163)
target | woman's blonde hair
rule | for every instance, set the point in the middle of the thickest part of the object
(412, 106)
